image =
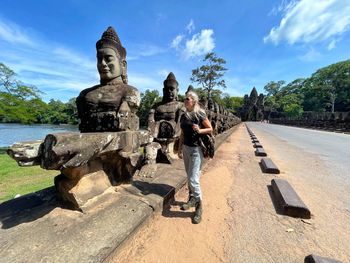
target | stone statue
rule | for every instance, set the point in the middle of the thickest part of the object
(106, 152)
(111, 105)
(163, 120)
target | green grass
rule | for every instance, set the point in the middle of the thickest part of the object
(21, 180)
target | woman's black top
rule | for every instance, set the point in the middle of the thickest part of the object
(186, 121)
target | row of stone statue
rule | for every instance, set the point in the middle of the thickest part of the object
(164, 118)
(107, 151)
(337, 121)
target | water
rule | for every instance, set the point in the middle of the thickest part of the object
(11, 133)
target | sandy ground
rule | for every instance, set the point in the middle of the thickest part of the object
(171, 236)
(240, 222)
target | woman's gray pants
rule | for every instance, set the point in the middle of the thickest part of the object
(193, 159)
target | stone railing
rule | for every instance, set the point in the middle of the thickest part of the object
(337, 121)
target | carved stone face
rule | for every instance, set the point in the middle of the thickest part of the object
(109, 65)
(170, 92)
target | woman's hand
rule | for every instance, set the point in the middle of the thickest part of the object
(196, 128)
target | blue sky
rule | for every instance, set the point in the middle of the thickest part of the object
(51, 44)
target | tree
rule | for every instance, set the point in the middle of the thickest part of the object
(148, 100)
(16, 99)
(329, 88)
(273, 88)
(232, 103)
(6, 78)
(285, 98)
(209, 75)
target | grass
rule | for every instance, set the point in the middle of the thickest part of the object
(15, 179)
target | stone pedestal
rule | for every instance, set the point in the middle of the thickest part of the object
(89, 163)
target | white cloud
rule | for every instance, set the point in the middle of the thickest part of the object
(283, 7)
(176, 41)
(310, 21)
(144, 50)
(332, 44)
(311, 55)
(13, 34)
(142, 82)
(190, 27)
(200, 44)
(45, 64)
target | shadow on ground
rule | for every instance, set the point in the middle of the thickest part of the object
(28, 208)
(276, 205)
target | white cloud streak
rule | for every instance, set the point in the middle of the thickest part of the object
(190, 27)
(14, 34)
(309, 21)
(142, 82)
(310, 56)
(144, 50)
(45, 64)
(177, 41)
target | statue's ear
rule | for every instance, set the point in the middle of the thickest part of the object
(124, 67)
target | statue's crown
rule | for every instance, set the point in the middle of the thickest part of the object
(170, 80)
(190, 88)
(110, 39)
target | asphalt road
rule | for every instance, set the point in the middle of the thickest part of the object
(332, 148)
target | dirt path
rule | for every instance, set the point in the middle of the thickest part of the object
(171, 237)
(240, 223)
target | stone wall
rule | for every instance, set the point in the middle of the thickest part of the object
(337, 121)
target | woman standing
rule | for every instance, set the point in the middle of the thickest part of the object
(193, 123)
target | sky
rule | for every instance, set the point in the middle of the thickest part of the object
(51, 44)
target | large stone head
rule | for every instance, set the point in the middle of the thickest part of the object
(171, 88)
(111, 57)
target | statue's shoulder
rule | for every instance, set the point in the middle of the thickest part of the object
(86, 91)
(130, 89)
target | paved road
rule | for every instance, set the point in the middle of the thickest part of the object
(332, 148)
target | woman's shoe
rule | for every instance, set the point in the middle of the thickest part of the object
(190, 203)
(198, 213)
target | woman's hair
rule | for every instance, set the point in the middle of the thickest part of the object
(195, 99)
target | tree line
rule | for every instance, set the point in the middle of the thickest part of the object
(21, 103)
(326, 90)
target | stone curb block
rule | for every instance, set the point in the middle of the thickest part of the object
(291, 203)
(260, 152)
(317, 259)
(257, 145)
(268, 166)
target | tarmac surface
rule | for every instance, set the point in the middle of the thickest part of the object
(332, 148)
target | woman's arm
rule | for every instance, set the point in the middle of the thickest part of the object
(207, 127)
(181, 142)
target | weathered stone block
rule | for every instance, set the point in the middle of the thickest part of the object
(317, 259)
(257, 145)
(291, 203)
(79, 192)
(268, 166)
(260, 152)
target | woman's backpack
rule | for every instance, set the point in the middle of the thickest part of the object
(207, 144)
